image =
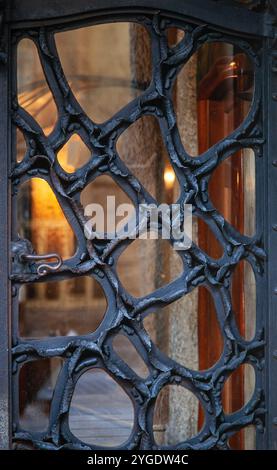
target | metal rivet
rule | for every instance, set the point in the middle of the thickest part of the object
(274, 226)
(275, 291)
(274, 96)
(274, 163)
(274, 421)
(275, 354)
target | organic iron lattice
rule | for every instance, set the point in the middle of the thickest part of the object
(124, 313)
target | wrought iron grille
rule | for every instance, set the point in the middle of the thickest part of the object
(125, 313)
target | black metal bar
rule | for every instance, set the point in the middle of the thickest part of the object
(271, 230)
(5, 389)
(227, 16)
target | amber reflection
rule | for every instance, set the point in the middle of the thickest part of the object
(225, 89)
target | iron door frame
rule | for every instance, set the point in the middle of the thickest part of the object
(258, 20)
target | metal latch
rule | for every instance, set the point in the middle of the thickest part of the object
(24, 259)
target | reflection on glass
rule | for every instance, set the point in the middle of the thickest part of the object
(33, 92)
(113, 203)
(74, 154)
(174, 323)
(139, 274)
(208, 242)
(37, 381)
(224, 91)
(128, 353)
(170, 427)
(234, 178)
(142, 149)
(101, 413)
(65, 308)
(219, 93)
(222, 86)
(246, 388)
(41, 220)
(174, 36)
(246, 436)
(105, 65)
(244, 304)
(237, 391)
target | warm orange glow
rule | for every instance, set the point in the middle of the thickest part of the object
(49, 225)
(64, 158)
(233, 64)
(169, 178)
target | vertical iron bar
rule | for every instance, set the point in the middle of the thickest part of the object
(5, 398)
(271, 357)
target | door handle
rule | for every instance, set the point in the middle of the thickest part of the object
(24, 254)
(43, 268)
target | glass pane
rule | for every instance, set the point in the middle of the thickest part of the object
(101, 413)
(64, 308)
(217, 83)
(128, 353)
(206, 239)
(37, 381)
(237, 391)
(235, 180)
(106, 65)
(142, 149)
(33, 92)
(174, 330)
(174, 36)
(144, 266)
(107, 207)
(171, 424)
(74, 154)
(244, 299)
(41, 220)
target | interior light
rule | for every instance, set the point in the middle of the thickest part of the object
(169, 178)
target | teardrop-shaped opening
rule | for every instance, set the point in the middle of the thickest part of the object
(74, 154)
(219, 81)
(127, 351)
(34, 94)
(37, 380)
(142, 150)
(244, 299)
(101, 413)
(175, 415)
(232, 191)
(205, 238)
(238, 388)
(145, 265)
(108, 208)
(106, 65)
(21, 146)
(174, 36)
(41, 220)
(66, 308)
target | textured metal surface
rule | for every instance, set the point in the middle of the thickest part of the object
(125, 313)
(5, 392)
